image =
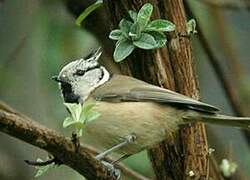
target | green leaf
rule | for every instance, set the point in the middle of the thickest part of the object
(144, 15)
(228, 168)
(70, 107)
(115, 34)
(80, 116)
(191, 27)
(161, 25)
(146, 41)
(68, 121)
(75, 110)
(135, 31)
(93, 116)
(88, 107)
(42, 169)
(159, 37)
(79, 132)
(125, 25)
(123, 49)
(79, 125)
(78, 111)
(87, 11)
(120, 40)
(133, 15)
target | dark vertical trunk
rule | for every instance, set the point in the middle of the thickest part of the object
(170, 67)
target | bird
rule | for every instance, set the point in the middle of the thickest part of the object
(135, 115)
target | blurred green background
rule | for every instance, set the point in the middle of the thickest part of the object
(38, 37)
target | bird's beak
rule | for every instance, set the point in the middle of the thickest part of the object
(55, 78)
(60, 79)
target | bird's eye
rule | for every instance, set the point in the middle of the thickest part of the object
(80, 72)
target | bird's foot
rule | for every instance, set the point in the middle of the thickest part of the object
(112, 170)
(125, 141)
(130, 138)
(54, 160)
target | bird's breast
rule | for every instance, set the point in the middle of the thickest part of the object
(150, 122)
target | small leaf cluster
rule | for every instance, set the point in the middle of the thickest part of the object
(191, 27)
(42, 169)
(228, 168)
(80, 115)
(139, 32)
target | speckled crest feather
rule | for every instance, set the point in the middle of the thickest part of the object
(77, 87)
(84, 63)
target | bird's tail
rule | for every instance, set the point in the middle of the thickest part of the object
(241, 122)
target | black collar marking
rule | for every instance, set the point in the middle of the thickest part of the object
(68, 94)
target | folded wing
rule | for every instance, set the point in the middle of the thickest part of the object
(136, 90)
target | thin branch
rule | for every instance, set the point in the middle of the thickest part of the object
(54, 143)
(18, 125)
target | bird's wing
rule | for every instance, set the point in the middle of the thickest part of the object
(123, 88)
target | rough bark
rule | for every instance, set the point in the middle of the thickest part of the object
(172, 68)
(83, 161)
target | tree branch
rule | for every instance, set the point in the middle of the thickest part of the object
(18, 125)
(193, 138)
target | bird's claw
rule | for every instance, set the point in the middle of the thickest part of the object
(112, 170)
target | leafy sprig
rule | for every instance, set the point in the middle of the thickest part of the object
(42, 169)
(139, 32)
(191, 27)
(80, 115)
(228, 167)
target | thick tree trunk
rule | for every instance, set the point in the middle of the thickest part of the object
(170, 67)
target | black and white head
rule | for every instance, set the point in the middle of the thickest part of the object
(80, 77)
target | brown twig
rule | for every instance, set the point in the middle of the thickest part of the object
(18, 125)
